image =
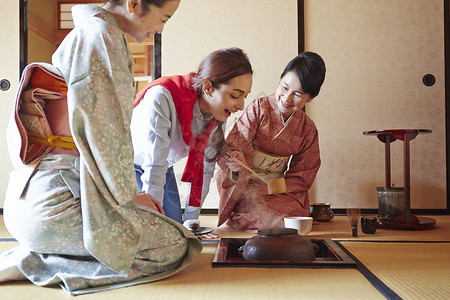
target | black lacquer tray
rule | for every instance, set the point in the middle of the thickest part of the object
(329, 255)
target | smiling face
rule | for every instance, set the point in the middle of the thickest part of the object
(290, 95)
(143, 24)
(226, 99)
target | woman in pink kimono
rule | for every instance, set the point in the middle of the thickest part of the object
(278, 140)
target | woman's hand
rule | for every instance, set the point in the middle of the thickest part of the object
(232, 159)
(144, 199)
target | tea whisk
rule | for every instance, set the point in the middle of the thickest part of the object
(353, 216)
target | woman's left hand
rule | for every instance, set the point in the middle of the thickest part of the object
(147, 200)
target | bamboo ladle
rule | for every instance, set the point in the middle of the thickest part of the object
(274, 186)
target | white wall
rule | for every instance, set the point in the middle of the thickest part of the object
(9, 69)
(265, 29)
(376, 54)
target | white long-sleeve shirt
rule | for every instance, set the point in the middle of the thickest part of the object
(158, 143)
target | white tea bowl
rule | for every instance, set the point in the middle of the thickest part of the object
(302, 224)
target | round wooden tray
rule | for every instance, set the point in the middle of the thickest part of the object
(424, 223)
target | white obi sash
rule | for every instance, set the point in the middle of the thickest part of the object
(271, 165)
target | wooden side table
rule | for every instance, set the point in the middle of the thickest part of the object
(388, 136)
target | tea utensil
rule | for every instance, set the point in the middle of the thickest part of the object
(353, 216)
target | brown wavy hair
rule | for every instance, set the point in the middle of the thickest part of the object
(220, 67)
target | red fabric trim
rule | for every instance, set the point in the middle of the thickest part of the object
(184, 98)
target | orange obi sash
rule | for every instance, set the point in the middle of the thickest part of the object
(44, 80)
(40, 83)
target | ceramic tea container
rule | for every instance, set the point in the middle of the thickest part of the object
(369, 225)
(391, 203)
(321, 212)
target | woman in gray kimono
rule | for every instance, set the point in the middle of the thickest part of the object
(74, 207)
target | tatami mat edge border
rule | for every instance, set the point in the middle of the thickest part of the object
(8, 240)
(374, 280)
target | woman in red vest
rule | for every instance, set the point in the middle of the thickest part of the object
(184, 115)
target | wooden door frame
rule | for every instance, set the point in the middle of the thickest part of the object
(446, 93)
(157, 57)
(24, 42)
(23, 38)
(301, 48)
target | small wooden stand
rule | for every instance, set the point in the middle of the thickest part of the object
(405, 135)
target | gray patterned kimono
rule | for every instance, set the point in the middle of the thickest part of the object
(73, 216)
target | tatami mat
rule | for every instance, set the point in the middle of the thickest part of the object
(413, 270)
(3, 231)
(200, 281)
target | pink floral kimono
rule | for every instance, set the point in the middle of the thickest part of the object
(274, 148)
